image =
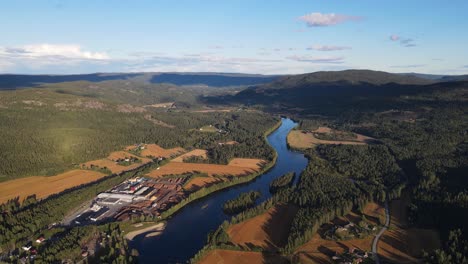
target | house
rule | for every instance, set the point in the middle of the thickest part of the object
(40, 239)
(27, 247)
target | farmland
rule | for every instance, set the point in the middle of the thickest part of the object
(236, 167)
(321, 250)
(200, 182)
(305, 139)
(111, 164)
(268, 230)
(153, 150)
(193, 153)
(44, 186)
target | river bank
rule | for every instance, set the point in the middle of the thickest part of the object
(186, 230)
(159, 227)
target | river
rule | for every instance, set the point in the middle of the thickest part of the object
(186, 231)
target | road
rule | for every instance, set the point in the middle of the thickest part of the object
(377, 237)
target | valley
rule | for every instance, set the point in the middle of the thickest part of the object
(157, 168)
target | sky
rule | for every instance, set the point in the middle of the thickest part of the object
(243, 36)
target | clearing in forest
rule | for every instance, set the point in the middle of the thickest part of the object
(193, 153)
(43, 186)
(306, 139)
(400, 244)
(268, 230)
(111, 162)
(241, 257)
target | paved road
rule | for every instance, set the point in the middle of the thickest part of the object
(377, 237)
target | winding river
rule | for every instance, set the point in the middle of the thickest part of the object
(186, 231)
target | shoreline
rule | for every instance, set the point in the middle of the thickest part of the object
(156, 228)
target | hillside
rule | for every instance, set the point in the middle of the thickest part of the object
(17, 81)
(336, 93)
(353, 77)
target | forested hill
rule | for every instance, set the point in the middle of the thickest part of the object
(328, 93)
(352, 77)
(17, 81)
(212, 79)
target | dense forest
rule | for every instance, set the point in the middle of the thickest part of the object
(242, 202)
(45, 132)
(282, 182)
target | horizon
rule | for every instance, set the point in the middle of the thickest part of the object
(224, 73)
(268, 38)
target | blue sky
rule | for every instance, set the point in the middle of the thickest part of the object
(268, 37)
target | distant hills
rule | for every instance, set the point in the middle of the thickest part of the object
(16, 81)
(212, 79)
(339, 91)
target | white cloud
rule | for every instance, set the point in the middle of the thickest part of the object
(328, 48)
(52, 50)
(323, 20)
(332, 60)
(53, 58)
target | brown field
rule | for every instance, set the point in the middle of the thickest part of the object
(44, 186)
(112, 165)
(234, 169)
(319, 250)
(195, 152)
(222, 256)
(156, 151)
(200, 182)
(375, 213)
(300, 139)
(401, 244)
(269, 230)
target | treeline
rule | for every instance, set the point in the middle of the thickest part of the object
(242, 202)
(284, 181)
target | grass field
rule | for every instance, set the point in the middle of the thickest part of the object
(269, 230)
(302, 140)
(195, 152)
(222, 256)
(45, 186)
(236, 167)
(110, 163)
